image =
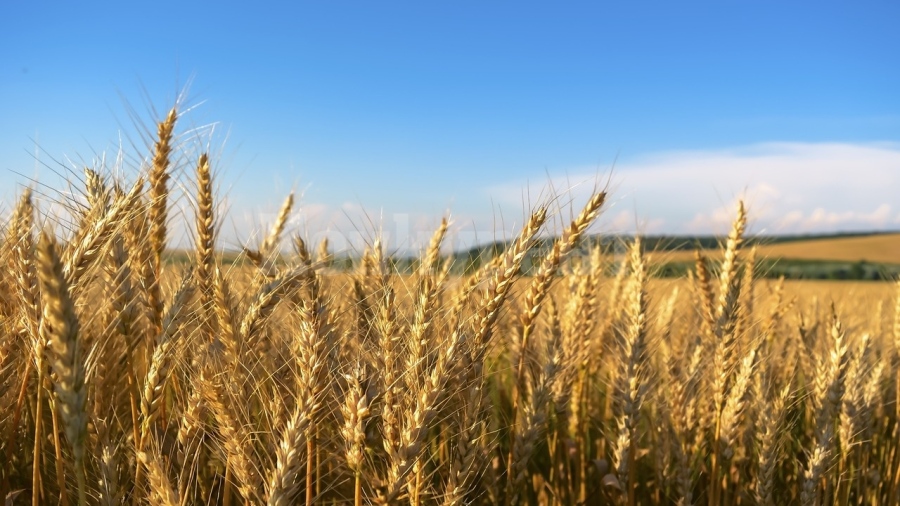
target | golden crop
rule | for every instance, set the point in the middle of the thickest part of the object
(284, 382)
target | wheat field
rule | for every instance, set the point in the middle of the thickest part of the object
(125, 380)
(879, 248)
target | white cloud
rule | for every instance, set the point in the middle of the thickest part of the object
(788, 188)
(820, 218)
(349, 227)
(627, 221)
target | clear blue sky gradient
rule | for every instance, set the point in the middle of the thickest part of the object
(420, 106)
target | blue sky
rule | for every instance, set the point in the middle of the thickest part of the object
(404, 111)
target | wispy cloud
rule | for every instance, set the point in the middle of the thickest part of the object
(789, 188)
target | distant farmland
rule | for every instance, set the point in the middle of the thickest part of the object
(874, 248)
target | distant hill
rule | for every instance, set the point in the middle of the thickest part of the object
(857, 257)
(846, 247)
(860, 256)
(873, 248)
(881, 248)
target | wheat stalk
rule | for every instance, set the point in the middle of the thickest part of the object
(631, 387)
(59, 328)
